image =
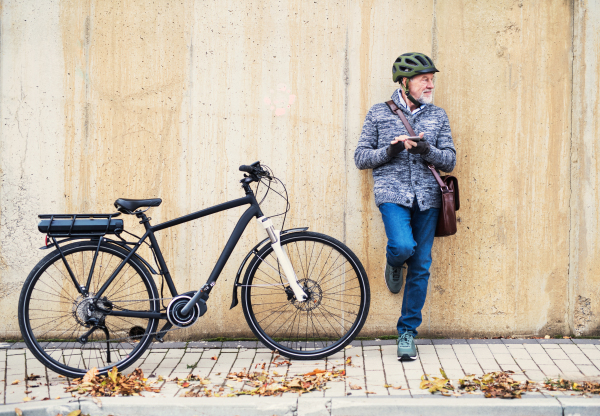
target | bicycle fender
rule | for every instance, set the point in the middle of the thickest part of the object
(254, 251)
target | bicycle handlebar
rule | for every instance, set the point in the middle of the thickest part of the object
(255, 170)
(246, 168)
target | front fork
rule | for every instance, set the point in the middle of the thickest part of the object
(284, 261)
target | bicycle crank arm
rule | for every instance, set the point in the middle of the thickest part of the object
(288, 270)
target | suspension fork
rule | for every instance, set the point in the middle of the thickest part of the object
(288, 270)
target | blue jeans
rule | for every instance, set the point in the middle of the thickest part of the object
(410, 235)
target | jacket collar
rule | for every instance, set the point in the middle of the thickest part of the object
(399, 101)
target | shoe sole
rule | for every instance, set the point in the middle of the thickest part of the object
(406, 357)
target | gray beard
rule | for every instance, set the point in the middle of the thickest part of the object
(425, 100)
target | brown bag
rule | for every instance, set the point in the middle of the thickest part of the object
(446, 224)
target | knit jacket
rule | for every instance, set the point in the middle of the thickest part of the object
(402, 178)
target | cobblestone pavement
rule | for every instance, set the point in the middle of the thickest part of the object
(374, 365)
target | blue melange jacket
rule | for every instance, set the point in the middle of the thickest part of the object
(401, 178)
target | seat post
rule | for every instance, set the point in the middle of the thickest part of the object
(144, 220)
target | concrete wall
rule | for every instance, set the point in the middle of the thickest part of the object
(108, 99)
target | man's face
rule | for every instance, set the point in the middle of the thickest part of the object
(421, 87)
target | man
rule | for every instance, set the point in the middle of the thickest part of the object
(406, 192)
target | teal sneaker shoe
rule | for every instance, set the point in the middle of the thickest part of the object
(393, 278)
(407, 351)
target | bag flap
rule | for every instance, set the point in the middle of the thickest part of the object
(452, 184)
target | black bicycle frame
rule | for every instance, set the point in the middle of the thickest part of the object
(253, 211)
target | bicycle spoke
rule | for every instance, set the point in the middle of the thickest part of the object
(58, 311)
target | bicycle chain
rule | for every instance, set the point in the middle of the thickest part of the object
(149, 334)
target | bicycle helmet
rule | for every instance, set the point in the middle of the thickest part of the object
(408, 65)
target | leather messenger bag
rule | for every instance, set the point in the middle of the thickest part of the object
(446, 224)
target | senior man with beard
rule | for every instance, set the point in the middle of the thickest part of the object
(406, 192)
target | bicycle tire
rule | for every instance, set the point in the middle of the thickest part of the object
(266, 301)
(52, 312)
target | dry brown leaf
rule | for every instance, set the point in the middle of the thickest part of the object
(315, 372)
(97, 401)
(370, 392)
(18, 411)
(214, 358)
(354, 387)
(90, 375)
(16, 382)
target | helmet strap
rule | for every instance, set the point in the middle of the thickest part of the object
(407, 92)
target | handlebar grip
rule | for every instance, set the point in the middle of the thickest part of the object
(246, 168)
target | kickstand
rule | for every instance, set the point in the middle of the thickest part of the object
(105, 329)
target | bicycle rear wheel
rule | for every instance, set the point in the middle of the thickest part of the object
(54, 316)
(338, 303)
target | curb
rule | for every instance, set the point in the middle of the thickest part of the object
(312, 406)
(355, 343)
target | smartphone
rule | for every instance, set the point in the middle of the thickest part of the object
(414, 138)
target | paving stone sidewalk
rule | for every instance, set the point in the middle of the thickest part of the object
(374, 366)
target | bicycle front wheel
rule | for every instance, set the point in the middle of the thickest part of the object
(69, 332)
(335, 282)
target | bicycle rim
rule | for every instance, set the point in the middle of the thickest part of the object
(54, 316)
(338, 297)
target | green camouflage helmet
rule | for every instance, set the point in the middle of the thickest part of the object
(410, 64)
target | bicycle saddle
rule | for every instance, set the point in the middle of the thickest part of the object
(127, 206)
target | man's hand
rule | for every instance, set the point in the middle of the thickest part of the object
(409, 144)
(396, 146)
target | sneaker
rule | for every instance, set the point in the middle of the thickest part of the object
(393, 278)
(407, 351)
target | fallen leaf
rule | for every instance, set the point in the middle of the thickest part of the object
(443, 373)
(113, 374)
(370, 392)
(213, 358)
(315, 372)
(90, 375)
(97, 401)
(26, 399)
(18, 411)
(16, 382)
(354, 387)
(347, 347)
(75, 413)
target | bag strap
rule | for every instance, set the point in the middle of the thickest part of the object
(392, 105)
